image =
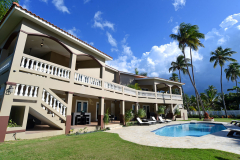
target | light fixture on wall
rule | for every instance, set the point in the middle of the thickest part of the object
(9, 90)
(42, 42)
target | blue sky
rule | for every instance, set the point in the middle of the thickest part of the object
(136, 33)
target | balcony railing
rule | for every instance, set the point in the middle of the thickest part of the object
(146, 94)
(163, 96)
(43, 66)
(87, 80)
(178, 97)
(130, 91)
(26, 90)
(114, 87)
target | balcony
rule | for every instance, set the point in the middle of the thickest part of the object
(42, 68)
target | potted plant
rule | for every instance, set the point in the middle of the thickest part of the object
(160, 110)
(106, 118)
(207, 117)
(177, 112)
(141, 113)
(128, 116)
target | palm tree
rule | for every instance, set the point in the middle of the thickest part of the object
(180, 65)
(136, 71)
(210, 96)
(233, 72)
(189, 35)
(174, 77)
(220, 56)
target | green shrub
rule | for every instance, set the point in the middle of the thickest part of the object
(141, 113)
(134, 86)
(177, 112)
(128, 116)
(11, 123)
(106, 118)
(161, 109)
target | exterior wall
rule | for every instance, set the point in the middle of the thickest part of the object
(57, 58)
(110, 76)
(90, 68)
(126, 79)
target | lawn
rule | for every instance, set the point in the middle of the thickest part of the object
(100, 145)
(215, 119)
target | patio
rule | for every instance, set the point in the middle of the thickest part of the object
(142, 135)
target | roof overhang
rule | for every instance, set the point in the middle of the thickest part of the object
(160, 79)
(17, 13)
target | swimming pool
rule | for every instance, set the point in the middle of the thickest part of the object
(189, 129)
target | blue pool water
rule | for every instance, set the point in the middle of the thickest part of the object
(189, 129)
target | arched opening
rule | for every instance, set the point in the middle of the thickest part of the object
(48, 48)
(9, 46)
(88, 65)
(176, 90)
(163, 88)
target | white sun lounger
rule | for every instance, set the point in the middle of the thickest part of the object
(232, 131)
(233, 121)
(142, 123)
(161, 120)
(154, 119)
(237, 123)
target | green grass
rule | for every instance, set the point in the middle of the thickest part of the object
(100, 145)
(215, 119)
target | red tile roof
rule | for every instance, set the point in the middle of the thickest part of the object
(16, 4)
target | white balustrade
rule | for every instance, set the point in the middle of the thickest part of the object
(53, 103)
(129, 91)
(29, 63)
(112, 86)
(164, 96)
(87, 79)
(146, 94)
(25, 90)
(178, 97)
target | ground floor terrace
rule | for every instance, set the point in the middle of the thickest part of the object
(85, 113)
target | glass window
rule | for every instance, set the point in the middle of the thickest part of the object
(133, 108)
(79, 106)
(85, 106)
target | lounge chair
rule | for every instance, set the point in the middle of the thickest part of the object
(154, 119)
(232, 131)
(142, 123)
(237, 123)
(161, 120)
(233, 121)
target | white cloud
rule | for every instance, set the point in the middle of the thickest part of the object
(111, 40)
(221, 41)
(59, 4)
(99, 23)
(230, 21)
(86, 1)
(91, 43)
(154, 74)
(178, 4)
(238, 27)
(126, 50)
(46, 1)
(73, 31)
(26, 4)
(175, 29)
(170, 20)
(114, 50)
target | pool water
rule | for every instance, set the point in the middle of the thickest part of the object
(189, 129)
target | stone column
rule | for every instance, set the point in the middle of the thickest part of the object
(68, 100)
(136, 109)
(72, 65)
(156, 110)
(122, 112)
(101, 112)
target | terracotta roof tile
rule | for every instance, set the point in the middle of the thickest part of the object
(16, 4)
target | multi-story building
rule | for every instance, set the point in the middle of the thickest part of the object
(48, 76)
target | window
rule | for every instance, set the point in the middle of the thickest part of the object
(82, 106)
(133, 108)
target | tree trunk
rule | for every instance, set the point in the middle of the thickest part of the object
(197, 96)
(224, 105)
(183, 97)
(190, 77)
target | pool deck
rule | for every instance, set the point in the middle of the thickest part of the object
(142, 135)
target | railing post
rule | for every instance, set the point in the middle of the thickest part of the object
(16, 89)
(58, 106)
(51, 97)
(27, 65)
(47, 98)
(36, 66)
(35, 92)
(54, 103)
(32, 64)
(23, 62)
(43, 95)
(26, 91)
(21, 91)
